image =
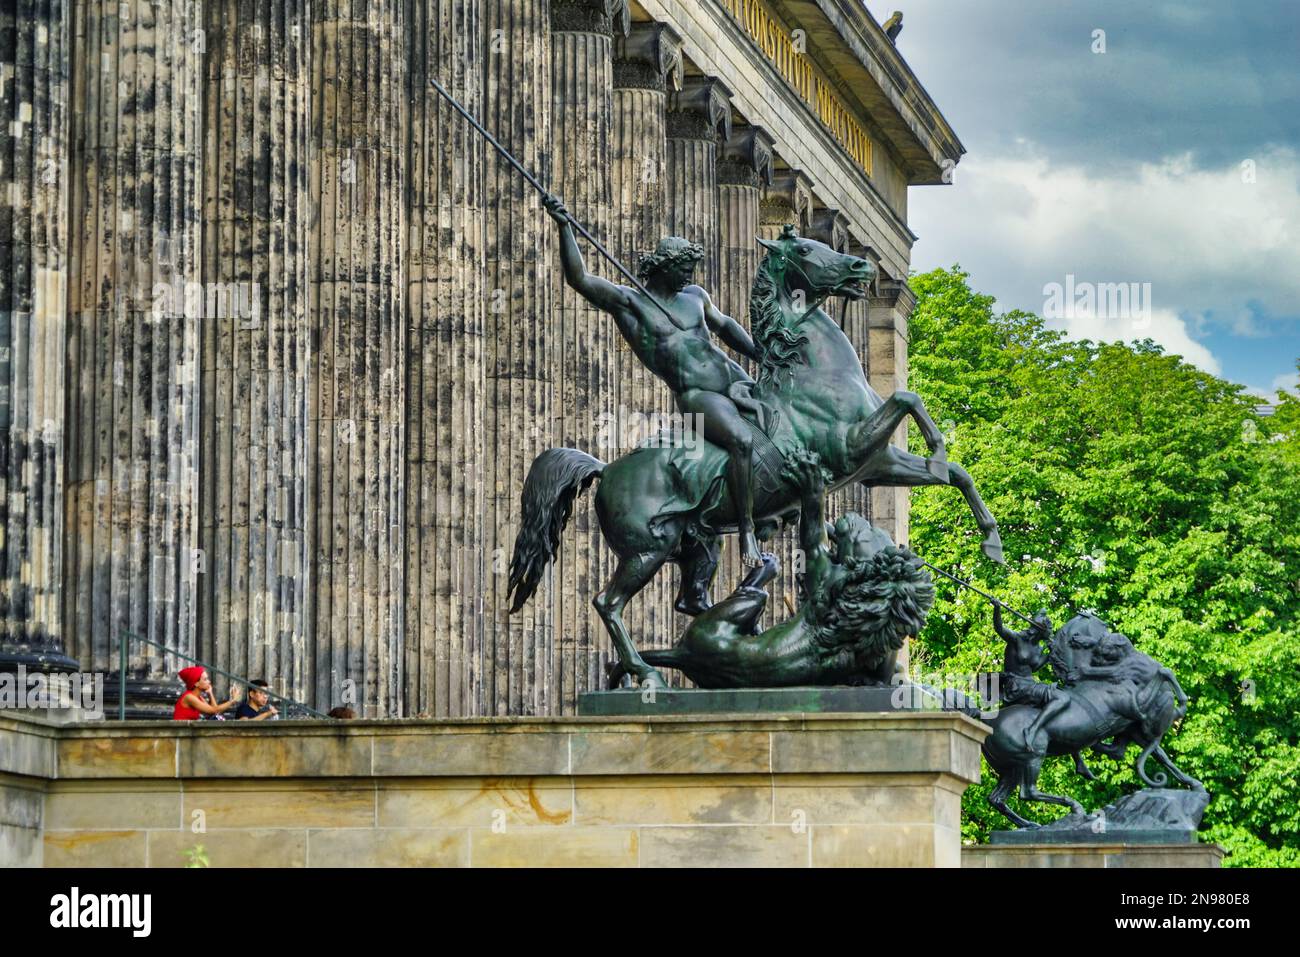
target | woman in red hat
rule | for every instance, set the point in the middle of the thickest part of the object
(197, 699)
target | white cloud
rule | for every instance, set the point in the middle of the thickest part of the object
(1207, 242)
(1162, 326)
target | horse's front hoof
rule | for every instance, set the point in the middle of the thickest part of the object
(653, 679)
(692, 606)
(992, 547)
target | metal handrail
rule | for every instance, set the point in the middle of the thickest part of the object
(127, 637)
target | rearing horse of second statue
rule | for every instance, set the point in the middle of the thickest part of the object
(667, 503)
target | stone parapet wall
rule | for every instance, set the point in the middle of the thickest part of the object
(798, 791)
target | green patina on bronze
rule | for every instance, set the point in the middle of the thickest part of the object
(666, 502)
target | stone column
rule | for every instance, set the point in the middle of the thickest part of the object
(831, 227)
(135, 307)
(697, 116)
(647, 64)
(744, 169)
(255, 474)
(855, 497)
(519, 401)
(448, 672)
(584, 342)
(888, 311)
(358, 293)
(786, 200)
(743, 172)
(33, 288)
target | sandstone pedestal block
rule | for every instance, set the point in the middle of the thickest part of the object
(800, 790)
(1092, 855)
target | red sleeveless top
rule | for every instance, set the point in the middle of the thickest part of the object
(183, 712)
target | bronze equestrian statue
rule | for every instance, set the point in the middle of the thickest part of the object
(660, 504)
(1113, 691)
(861, 600)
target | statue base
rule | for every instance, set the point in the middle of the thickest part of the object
(799, 700)
(1112, 853)
(1149, 816)
(800, 790)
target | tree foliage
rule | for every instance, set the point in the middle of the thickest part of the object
(1127, 482)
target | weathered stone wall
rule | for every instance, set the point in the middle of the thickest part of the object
(793, 791)
(280, 335)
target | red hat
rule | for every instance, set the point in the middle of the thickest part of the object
(191, 675)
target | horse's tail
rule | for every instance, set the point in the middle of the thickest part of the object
(1140, 766)
(554, 481)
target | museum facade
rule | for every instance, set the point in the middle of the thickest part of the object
(280, 334)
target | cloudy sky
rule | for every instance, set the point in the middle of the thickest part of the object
(1173, 158)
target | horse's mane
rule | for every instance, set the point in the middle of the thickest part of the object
(774, 334)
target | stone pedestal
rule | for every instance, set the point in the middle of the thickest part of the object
(743, 790)
(1092, 855)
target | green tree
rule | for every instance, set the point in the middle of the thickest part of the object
(1127, 482)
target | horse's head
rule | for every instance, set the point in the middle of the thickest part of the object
(806, 266)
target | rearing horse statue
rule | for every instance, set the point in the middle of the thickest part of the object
(666, 503)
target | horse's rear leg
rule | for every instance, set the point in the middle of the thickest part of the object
(632, 574)
(699, 563)
(998, 799)
(1029, 788)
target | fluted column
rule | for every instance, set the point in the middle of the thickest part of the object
(647, 65)
(33, 288)
(448, 672)
(134, 312)
(787, 200)
(832, 228)
(519, 401)
(744, 168)
(888, 312)
(255, 473)
(855, 497)
(584, 342)
(358, 290)
(697, 116)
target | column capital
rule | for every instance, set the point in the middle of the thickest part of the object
(891, 304)
(747, 158)
(649, 57)
(831, 227)
(700, 110)
(591, 16)
(787, 199)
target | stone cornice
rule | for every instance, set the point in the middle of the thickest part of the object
(871, 67)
